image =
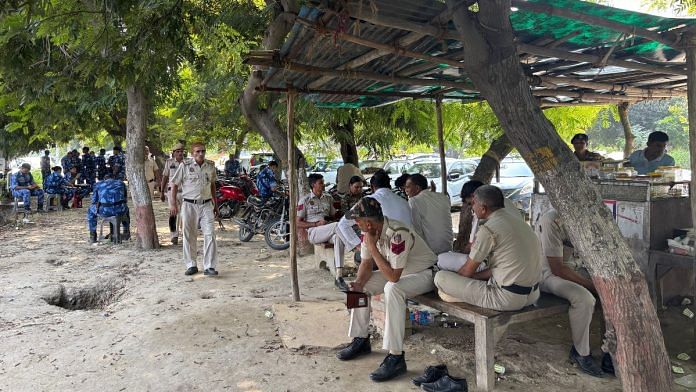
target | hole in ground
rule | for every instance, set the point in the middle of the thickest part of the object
(96, 296)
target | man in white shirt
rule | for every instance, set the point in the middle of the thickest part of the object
(430, 213)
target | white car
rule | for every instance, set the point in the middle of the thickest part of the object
(459, 171)
(328, 170)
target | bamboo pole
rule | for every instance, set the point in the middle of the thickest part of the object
(691, 94)
(441, 144)
(292, 181)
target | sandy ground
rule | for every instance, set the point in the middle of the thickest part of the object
(154, 329)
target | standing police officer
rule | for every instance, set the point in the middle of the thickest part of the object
(196, 177)
(108, 199)
(89, 167)
(169, 169)
(100, 163)
(117, 164)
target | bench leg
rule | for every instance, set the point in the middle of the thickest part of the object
(485, 354)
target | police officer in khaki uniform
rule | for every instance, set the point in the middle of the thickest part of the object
(511, 280)
(404, 265)
(151, 172)
(196, 177)
(169, 169)
(563, 275)
(314, 209)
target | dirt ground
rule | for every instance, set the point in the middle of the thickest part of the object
(147, 327)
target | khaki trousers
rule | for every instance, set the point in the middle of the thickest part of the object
(395, 295)
(321, 234)
(151, 185)
(453, 287)
(191, 216)
(582, 304)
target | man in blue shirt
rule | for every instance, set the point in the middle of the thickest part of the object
(108, 199)
(232, 167)
(23, 186)
(56, 184)
(649, 159)
(266, 181)
(89, 167)
(100, 163)
(117, 164)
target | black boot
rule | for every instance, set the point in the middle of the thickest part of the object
(92, 237)
(431, 374)
(607, 364)
(357, 347)
(392, 366)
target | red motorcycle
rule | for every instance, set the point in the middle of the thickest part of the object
(231, 194)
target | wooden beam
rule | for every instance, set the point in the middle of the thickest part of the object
(292, 181)
(619, 88)
(549, 105)
(360, 93)
(668, 38)
(582, 95)
(691, 102)
(441, 145)
(585, 58)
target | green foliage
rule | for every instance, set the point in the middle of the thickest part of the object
(679, 7)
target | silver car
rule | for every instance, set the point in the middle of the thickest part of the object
(459, 171)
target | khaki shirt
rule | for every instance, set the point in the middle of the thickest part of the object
(511, 247)
(432, 219)
(343, 175)
(170, 168)
(555, 242)
(402, 248)
(194, 179)
(314, 208)
(150, 167)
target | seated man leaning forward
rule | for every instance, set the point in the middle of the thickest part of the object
(512, 251)
(404, 265)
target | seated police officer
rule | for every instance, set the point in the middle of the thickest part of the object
(108, 199)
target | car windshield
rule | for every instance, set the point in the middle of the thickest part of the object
(333, 166)
(429, 170)
(515, 169)
(365, 164)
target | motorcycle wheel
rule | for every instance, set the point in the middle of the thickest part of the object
(277, 235)
(227, 209)
(245, 234)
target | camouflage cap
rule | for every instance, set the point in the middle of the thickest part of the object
(367, 207)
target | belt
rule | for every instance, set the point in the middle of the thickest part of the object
(197, 201)
(522, 290)
(118, 203)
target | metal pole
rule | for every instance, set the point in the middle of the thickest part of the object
(292, 181)
(691, 94)
(441, 144)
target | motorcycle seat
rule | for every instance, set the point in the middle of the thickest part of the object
(255, 201)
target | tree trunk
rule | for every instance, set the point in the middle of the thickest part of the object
(490, 161)
(493, 65)
(628, 132)
(239, 142)
(135, 169)
(344, 134)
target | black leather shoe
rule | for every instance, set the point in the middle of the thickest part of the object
(357, 347)
(607, 364)
(446, 383)
(586, 363)
(210, 272)
(392, 366)
(191, 271)
(341, 284)
(431, 374)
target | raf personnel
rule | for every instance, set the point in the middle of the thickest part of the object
(75, 181)
(266, 181)
(653, 156)
(511, 280)
(55, 184)
(89, 167)
(23, 186)
(566, 279)
(430, 214)
(196, 177)
(100, 163)
(45, 165)
(117, 164)
(108, 199)
(404, 269)
(65, 161)
(314, 210)
(75, 160)
(169, 169)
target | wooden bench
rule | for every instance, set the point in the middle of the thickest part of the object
(490, 326)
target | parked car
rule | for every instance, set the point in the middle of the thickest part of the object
(516, 182)
(328, 169)
(397, 166)
(459, 171)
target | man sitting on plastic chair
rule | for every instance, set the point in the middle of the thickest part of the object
(108, 199)
(23, 187)
(80, 188)
(56, 184)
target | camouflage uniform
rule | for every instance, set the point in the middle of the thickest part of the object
(77, 179)
(56, 184)
(348, 201)
(45, 167)
(265, 182)
(232, 168)
(65, 164)
(109, 199)
(75, 161)
(117, 166)
(100, 164)
(21, 179)
(89, 169)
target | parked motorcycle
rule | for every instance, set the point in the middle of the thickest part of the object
(231, 195)
(277, 234)
(259, 214)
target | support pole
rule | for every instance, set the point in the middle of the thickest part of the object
(441, 144)
(691, 95)
(292, 181)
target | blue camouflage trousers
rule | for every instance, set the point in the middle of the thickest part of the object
(93, 214)
(26, 194)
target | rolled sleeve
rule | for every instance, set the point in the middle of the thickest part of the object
(483, 246)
